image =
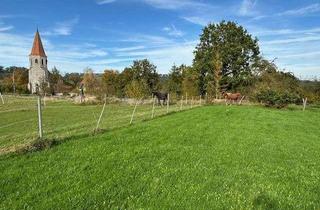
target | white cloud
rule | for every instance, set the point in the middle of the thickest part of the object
(293, 40)
(175, 4)
(313, 8)
(128, 49)
(100, 2)
(197, 20)
(313, 55)
(149, 39)
(63, 28)
(165, 4)
(247, 8)
(173, 31)
(5, 28)
(262, 32)
(15, 49)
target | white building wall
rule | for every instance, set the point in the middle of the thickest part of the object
(38, 72)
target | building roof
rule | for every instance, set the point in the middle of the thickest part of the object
(37, 48)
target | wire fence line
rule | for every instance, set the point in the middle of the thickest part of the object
(64, 118)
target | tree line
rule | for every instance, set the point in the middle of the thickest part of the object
(227, 58)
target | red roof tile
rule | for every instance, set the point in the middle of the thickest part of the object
(37, 48)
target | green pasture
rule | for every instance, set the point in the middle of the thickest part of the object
(211, 157)
(65, 119)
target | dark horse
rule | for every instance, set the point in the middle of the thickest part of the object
(160, 96)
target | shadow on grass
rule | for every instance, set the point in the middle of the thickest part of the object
(263, 201)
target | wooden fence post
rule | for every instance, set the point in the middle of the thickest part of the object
(186, 98)
(241, 100)
(1, 98)
(181, 102)
(40, 117)
(304, 103)
(200, 100)
(152, 114)
(102, 111)
(134, 110)
(168, 102)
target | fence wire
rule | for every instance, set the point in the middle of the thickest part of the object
(64, 118)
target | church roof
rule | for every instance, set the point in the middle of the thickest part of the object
(37, 48)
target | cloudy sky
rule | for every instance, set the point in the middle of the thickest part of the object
(112, 33)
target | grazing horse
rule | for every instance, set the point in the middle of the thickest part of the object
(234, 97)
(160, 96)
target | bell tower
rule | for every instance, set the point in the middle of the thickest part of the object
(38, 72)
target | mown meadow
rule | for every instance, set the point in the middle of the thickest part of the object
(211, 157)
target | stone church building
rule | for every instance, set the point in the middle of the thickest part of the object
(38, 72)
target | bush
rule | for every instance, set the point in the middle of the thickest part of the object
(137, 89)
(272, 98)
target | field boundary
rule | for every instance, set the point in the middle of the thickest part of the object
(47, 143)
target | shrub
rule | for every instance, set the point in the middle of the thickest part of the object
(272, 98)
(137, 89)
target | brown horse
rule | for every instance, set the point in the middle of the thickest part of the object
(232, 97)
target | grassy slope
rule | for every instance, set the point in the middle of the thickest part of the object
(210, 157)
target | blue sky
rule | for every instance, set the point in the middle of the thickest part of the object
(111, 34)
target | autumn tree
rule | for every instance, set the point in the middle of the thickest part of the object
(90, 82)
(217, 73)
(14, 79)
(110, 79)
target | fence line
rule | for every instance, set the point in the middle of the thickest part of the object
(25, 118)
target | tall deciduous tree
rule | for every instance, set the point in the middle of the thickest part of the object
(237, 49)
(54, 78)
(145, 70)
(73, 79)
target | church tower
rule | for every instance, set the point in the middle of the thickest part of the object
(38, 72)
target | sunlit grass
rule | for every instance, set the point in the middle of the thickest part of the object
(214, 157)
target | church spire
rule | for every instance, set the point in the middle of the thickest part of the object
(37, 48)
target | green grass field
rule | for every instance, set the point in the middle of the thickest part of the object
(64, 119)
(211, 157)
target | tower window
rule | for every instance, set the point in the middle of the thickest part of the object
(36, 61)
(42, 61)
(46, 61)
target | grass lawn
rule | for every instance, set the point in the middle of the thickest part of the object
(63, 119)
(213, 157)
